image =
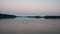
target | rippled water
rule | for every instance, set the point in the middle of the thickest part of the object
(29, 26)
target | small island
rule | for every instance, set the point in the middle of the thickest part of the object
(33, 16)
(6, 16)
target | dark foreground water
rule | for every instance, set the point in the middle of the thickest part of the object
(29, 26)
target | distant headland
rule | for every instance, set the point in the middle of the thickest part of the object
(52, 17)
(6, 16)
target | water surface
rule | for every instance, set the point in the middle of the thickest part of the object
(29, 26)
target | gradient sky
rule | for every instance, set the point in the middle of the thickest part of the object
(30, 7)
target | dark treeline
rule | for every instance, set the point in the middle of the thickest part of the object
(47, 17)
(13, 16)
(7, 16)
(33, 16)
(51, 17)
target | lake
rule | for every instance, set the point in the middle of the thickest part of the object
(29, 26)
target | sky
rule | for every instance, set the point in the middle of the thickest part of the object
(30, 7)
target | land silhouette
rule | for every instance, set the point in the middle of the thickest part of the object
(6, 16)
(52, 17)
(14, 16)
(46, 17)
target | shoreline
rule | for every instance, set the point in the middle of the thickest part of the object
(14, 16)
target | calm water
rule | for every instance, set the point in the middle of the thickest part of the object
(29, 26)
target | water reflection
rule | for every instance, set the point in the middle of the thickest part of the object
(29, 26)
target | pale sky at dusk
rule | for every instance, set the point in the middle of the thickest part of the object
(36, 7)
